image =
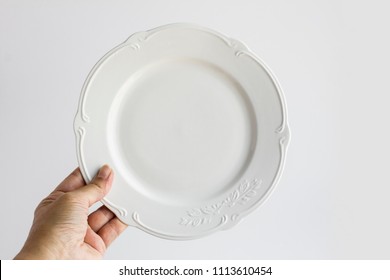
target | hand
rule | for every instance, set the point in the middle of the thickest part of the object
(62, 228)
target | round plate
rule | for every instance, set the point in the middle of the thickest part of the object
(193, 124)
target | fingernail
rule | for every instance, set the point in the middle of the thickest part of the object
(104, 172)
(110, 178)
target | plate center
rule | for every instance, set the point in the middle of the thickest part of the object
(181, 130)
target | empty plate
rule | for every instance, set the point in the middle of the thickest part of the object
(193, 124)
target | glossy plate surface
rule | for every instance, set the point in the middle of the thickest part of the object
(193, 124)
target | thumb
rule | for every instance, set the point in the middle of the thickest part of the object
(98, 187)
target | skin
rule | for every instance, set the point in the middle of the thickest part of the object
(62, 228)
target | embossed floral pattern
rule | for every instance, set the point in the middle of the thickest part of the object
(204, 215)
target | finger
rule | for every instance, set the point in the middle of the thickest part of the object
(98, 187)
(99, 218)
(95, 241)
(73, 181)
(110, 231)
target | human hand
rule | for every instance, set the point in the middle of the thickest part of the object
(62, 228)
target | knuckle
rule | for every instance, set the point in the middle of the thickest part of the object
(69, 197)
(98, 186)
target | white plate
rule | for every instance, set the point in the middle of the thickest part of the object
(193, 124)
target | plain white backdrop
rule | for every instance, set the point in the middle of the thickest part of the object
(332, 60)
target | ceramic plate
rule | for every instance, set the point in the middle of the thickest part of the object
(193, 124)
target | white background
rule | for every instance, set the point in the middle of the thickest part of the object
(332, 60)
